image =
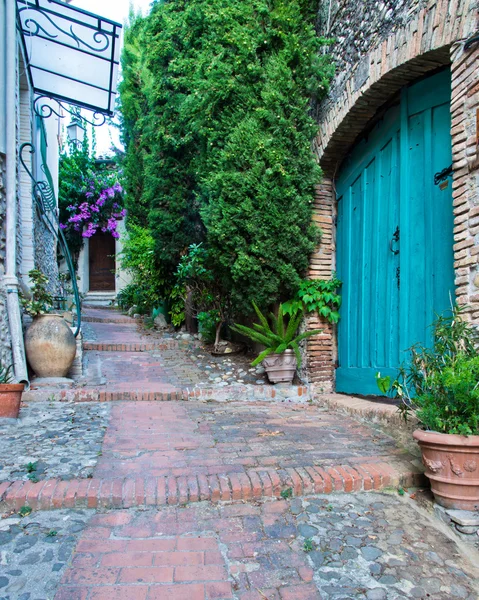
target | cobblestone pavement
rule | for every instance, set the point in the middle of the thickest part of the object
(35, 550)
(181, 438)
(372, 547)
(52, 440)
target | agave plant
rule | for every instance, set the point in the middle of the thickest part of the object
(6, 374)
(278, 337)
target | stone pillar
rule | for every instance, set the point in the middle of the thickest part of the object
(465, 152)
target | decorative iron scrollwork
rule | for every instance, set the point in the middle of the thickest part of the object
(45, 111)
(442, 175)
(30, 27)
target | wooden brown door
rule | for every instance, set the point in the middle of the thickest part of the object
(102, 262)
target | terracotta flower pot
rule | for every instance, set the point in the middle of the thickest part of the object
(50, 346)
(452, 466)
(10, 398)
(280, 367)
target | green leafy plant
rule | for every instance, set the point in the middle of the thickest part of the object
(41, 301)
(25, 511)
(31, 467)
(202, 292)
(6, 374)
(317, 295)
(208, 321)
(287, 493)
(278, 337)
(440, 385)
(33, 477)
(52, 533)
(308, 545)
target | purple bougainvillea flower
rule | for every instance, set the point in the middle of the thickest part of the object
(62, 226)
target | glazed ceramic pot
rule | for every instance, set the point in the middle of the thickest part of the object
(10, 398)
(452, 466)
(50, 346)
(280, 367)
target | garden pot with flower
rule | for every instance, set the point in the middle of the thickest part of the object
(282, 355)
(440, 386)
(49, 342)
(10, 394)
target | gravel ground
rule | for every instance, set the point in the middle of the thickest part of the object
(52, 439)
(35, 550)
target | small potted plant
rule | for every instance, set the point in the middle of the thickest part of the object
(10, 394)
(440, 386)
(282, 355)
(49, 342)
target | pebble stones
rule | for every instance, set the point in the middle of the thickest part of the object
(34, 551)
(52, 440)
(381, 550)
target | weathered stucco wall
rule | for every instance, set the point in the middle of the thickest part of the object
(381, 46)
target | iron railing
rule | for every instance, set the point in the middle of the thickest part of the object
(44, 198)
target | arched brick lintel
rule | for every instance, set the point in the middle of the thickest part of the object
(351, 122)
(421, 46)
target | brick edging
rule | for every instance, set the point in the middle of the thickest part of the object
(246, 393)
(172, 490)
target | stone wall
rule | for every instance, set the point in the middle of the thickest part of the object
(381, 46)
(5, 346)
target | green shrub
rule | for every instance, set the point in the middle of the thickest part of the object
(440, 385)
(217, 126)
(147, 289)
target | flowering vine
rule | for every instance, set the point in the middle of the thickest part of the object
(101, 208)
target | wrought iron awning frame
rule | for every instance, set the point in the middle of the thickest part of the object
(32, 28)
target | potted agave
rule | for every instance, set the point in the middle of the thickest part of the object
(281, 355)
(10, 394)
(49, 342)
(440, 386)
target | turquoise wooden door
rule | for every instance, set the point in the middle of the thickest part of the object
(395, 236)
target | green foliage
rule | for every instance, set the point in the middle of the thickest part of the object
(277, 338)
(138, 258)
(308, 545)
(52, 533)
(317, 295)
(441, 384)
(287, 493)
(41, 301)
(216, 124)
(6, 374)
(208, 321)
(197, 281)
(25, 511)
(31, 467)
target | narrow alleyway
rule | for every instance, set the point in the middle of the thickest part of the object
(206, 500)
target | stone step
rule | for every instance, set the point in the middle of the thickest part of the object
(181, 490)
(99, 299)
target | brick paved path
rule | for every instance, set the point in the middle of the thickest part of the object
(187, 501)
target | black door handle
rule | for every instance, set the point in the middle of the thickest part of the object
(395, 238)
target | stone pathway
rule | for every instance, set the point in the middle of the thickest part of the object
(201, 500)
(52, 440)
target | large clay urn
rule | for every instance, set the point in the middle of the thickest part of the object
(280, 367)
(452, 466)
(50, 346)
